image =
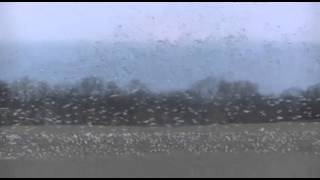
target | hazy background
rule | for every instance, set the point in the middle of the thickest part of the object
(166, 45)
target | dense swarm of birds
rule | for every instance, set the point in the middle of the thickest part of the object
(110, 118)
(95, 102)
(82, 141)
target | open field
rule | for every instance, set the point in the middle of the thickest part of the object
(46, 142)
(174, 165)
(236, 150)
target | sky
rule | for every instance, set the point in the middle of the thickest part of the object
(42, 34)
(142, 21)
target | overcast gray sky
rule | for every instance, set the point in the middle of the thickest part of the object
(142, 21)
(278, 61)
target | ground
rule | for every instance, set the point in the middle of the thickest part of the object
(238, 150)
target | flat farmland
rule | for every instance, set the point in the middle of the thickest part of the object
(235, 150)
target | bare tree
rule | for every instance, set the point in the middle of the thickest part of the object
(4, 94)
(136, 86)
(207, 87)
(91, 86)
(112, 88)
(23, 89)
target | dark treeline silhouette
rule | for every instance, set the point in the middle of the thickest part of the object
(93, 101)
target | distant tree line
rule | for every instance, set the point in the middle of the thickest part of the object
(96, 102)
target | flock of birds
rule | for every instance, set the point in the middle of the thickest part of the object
(82, 141)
